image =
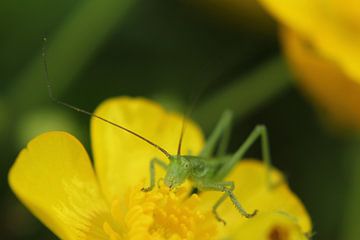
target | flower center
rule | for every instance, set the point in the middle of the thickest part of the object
(161, 214)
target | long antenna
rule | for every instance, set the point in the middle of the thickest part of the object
(187, 115)
(200, 92)
(181, 135)
(50, 92)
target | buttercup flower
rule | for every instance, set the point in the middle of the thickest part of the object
(331, 27)
(320, 39)
(324, 82)
(55, 179)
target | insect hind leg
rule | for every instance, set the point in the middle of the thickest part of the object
(227, 188)
(260, 131)
(219, 135)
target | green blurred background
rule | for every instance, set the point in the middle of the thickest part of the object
(169, 51)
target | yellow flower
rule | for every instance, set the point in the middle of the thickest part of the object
(330, 88)
(320, 39)
(332, 28)
(55, 179)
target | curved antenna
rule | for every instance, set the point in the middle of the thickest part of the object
(181, 135)
(183, 127)
(50, 92)
(202, 89)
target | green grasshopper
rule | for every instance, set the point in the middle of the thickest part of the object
(206, 171)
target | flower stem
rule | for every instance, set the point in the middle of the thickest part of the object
(247, 93)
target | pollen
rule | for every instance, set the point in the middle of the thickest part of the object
(161, 214)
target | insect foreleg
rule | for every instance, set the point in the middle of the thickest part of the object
(259, 131)
(152, 173)
(227, 188)
(222, 130)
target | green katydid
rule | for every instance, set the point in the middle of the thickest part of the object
(206, 171)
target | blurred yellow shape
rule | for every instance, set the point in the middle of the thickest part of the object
(321, 40)
(331, 27)
(330, 88)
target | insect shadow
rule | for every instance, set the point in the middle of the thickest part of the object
(207, 170)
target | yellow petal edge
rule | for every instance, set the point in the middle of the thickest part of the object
(54, 178)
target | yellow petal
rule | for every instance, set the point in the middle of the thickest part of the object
(323, 81)
(121, 159)
(253, 193)
(54, 178)
(333, 27)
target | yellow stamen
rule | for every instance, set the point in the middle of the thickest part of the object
(160, 214)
